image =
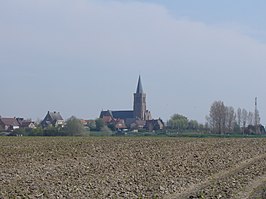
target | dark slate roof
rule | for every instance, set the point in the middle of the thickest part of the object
(106, 113)
(154, 122)
(139, 87)
(123, 114)
(55, 116)
(118, 114)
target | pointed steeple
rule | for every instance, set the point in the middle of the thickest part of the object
(139, 87)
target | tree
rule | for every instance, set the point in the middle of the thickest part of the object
(250, 118)
(239, 116)
(99, 124)
(178, 122)
(74, 127)
(244, 119)
(193, 125)
(230, 119)
(217, 117)
(51, 131)
(36, 132)
(92, 125)
(111, 126)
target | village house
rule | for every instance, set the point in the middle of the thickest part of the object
(28, 124)
(116, 123)
(154, 125)
(9, 124)
(53, 119)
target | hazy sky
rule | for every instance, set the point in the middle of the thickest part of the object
(81, 56)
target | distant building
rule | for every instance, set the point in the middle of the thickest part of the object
(139, 107)
(127, 116)
(133, 119)
(9, 124)
(154, 125)
(28, 124)
(53, 119)
(137, 124)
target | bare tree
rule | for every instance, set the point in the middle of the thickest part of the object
(244, 118)
(224, 119)
(239, 117)
(230, 119)
(256, 117)
(217, 117)
(250, 118)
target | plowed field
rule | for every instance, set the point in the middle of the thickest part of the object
(89, 167)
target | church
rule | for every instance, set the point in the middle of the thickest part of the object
(138, 118)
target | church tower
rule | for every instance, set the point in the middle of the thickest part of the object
(139, 108)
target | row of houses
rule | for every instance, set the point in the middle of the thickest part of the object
(11, 124)
(54, 119)
(51, 119)
(136, 124)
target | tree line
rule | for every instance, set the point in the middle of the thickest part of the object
(222, 119)
(181, 123)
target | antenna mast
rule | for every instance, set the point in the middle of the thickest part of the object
(256, 116)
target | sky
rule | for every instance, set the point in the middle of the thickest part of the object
(80, 57)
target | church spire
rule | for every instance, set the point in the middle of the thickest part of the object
(139, 87)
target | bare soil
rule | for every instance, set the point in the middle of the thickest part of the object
(89, 167)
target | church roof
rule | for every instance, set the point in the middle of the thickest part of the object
(139, 87)
(118, 114)
(123, 114)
